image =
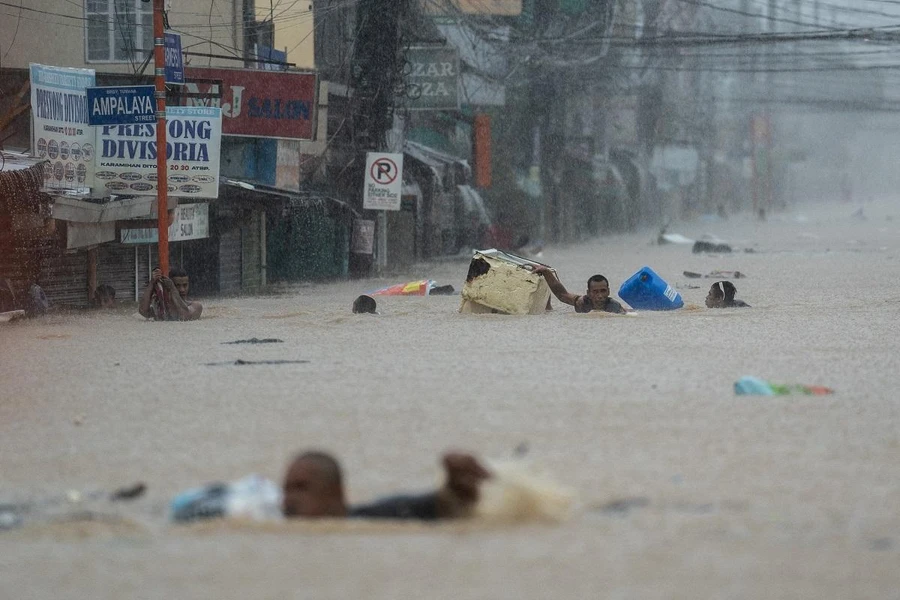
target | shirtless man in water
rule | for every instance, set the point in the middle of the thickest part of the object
(597, 297)
(166, 298)
(313, 487)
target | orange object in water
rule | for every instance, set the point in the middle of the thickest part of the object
(412, 288)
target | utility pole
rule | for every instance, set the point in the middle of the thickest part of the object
(770, 93)
(751, 119)
(162, 179)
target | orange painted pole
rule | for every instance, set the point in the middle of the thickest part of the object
(162, 179)
(482, 151)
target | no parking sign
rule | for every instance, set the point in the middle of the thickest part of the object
(384, 181)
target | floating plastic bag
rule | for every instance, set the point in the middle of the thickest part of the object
(754, 386)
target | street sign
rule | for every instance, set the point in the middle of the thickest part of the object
(121, 105)
(174, 61)
(384, 181)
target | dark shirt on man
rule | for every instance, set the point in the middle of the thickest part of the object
(422, 507)
(610, 306)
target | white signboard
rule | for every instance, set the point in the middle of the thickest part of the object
(384, 180)
(191, 223)
(61, 134)
(126, 155)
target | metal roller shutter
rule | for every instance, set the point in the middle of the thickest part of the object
(64, 278)
(230, 257)
(115, 267)
(251, 265)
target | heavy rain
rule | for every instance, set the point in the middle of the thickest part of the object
(401, 275)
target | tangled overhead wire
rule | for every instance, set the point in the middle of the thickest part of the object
(377, 67)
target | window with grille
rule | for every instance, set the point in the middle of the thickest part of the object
(118, 30)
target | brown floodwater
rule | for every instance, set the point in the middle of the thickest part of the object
(684, 489)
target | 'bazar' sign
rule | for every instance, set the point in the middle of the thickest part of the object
(256, 103)
(433, 79)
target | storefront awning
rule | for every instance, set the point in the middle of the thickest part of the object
(263, 192)
(434, 158)
(474, 204)
(80, 210)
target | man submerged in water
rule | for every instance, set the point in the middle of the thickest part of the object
(723, 297)
(597, 297)
(166, 298)
(313, 487)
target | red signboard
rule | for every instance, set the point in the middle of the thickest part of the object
(256, 103)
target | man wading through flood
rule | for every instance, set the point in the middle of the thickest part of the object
(166, 298)
(597, 297)
(313, 487)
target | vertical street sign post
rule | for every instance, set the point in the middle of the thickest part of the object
(382, 191)
(384, 181)
(174, 61)
(162, 187)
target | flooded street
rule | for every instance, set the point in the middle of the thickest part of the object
(724, 496)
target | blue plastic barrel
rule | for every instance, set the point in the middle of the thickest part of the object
(645, 290)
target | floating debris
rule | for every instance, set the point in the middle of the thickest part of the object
(129, 492)
(240, 362)
(624, 505)
(257, 341)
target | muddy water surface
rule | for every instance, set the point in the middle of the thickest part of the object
(685, 490)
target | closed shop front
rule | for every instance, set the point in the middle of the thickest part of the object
(64, 278)
(251, 256)
(230, 260)
(116, 268)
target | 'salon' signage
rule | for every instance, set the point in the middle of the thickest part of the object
(256, 103)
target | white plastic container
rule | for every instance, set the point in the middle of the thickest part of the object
(500, 282)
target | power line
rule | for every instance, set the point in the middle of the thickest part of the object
(746, 14)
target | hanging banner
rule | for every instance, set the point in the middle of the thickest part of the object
(276, 104)
(60, 130)
(384, 181)
(191, 223)
(126, 155)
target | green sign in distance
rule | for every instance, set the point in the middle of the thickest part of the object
(432, 78)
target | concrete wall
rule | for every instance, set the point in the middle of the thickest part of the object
(294, 30)
(52, 32)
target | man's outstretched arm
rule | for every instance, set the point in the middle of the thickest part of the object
(455, 499)
(558, 289)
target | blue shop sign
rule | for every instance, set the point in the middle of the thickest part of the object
(121, 105)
